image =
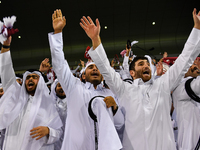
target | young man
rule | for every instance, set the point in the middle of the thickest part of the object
(60, 101)
(80, 128)
(188, 109)
(147, 102)
(26, 112)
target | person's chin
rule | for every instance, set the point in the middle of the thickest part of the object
(146, 78)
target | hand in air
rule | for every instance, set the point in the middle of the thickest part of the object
(58, 20)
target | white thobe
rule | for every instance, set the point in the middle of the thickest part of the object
(17, 135)
(147, 105)
(61, 106)
(124, 72)
(79, 127)
(187, 115)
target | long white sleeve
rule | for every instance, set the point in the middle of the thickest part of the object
(6, 69)
(60, 65)
(54, 135)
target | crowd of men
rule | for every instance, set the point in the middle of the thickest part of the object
(137, 108)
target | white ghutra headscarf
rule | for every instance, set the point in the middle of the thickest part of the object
(42, 112)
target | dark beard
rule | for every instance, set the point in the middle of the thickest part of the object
(31, 92)
(61, 97)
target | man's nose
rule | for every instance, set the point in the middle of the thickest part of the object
(146, 65)
(95, 68)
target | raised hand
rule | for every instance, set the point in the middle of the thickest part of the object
(165, 55)
(45, 65)
(196, 18)
(58, 20)
(82, 63)
(159, 68)
(113, 62)
(127, 51)
(39, 132)
(91, 30)
(8, 41)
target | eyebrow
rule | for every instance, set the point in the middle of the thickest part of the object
(141, 61)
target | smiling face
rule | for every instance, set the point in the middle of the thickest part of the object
(31, 83)
(142, 70)
(92, 75)
(59, 91)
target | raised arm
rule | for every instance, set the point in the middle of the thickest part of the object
(59, 63)
(125, 63)
(191, 50)
(98, 55)
(91, 30)
(6, 67)
(45, 65)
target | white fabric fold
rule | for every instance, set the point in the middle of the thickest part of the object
(19, 112)
(107, 134)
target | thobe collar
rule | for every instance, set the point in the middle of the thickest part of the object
(30, 98)
(62, 103)
(184, 79)
(139, 81)
(89, 85)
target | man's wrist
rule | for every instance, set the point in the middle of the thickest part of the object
(57, 31)
(96, 42)
(197, 27)
(6, 46)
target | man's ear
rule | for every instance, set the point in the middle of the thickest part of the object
(83, 76)
(132, 73)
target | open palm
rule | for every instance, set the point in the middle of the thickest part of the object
(59, 21)
(90, 28)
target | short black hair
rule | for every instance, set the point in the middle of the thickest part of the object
(132, 65)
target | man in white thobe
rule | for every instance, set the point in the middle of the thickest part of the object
(147, 102)
(60, 101)
(26, 112)
(79, 127)
(188, 110)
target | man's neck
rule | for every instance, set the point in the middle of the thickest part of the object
(95, 86)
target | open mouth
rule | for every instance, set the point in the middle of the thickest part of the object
(30, 84)
(146, 72)
(95, 74)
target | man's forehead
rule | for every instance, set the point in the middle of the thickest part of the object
(91, 65)
(142, 60)
(32, 74)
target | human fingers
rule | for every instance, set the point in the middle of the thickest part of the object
(86, 20)
(90, 20)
